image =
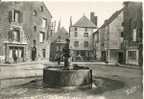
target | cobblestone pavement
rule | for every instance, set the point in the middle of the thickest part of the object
(131, 88)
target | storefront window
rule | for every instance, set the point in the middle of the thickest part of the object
(132, 55)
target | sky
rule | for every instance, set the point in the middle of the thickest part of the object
(63, 10)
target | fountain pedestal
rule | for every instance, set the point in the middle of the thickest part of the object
(55, 77)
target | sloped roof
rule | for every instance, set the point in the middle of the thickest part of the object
(108, 21)
(114, 15)
(84, 22)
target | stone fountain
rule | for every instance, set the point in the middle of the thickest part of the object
(67, 76)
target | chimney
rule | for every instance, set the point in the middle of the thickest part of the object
(93, 18)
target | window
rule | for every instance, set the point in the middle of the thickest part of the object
(44, 23)
(59, 38)
(132, 54)
(76, 43)
(134, 35)
(16, 16)
(122, 24)
(34, 12)
(122, 34)
(75, 28)
(85, 34)
(75, 34)
(86, 29)
(14, 35)
(42, 36)
(44, 53)
(96, 37)
(85, 43)
(35, 28)
(42, 8)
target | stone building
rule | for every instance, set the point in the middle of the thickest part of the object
(132, 25)
(24, 31)
(108, 39)
(81, 38)
(119, 39)
(57, 43)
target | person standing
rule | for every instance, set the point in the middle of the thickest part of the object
(34, 51)
(33, 56)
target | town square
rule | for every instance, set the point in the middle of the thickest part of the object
(71, 50)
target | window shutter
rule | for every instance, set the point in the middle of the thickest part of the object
(21, 17)
(18, 34)
(10, 16)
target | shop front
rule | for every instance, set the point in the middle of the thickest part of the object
(15, 52)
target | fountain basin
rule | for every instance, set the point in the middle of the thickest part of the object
(56, 77)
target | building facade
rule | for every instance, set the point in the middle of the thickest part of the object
(24, 31)
(133, 33)
(81, 39)
(119, 39)
(108, 39)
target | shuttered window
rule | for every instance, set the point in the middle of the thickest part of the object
(15, 16)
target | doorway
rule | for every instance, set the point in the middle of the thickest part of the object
(103, 58)
(120, 57)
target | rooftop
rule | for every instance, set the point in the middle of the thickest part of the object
(84, 22)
